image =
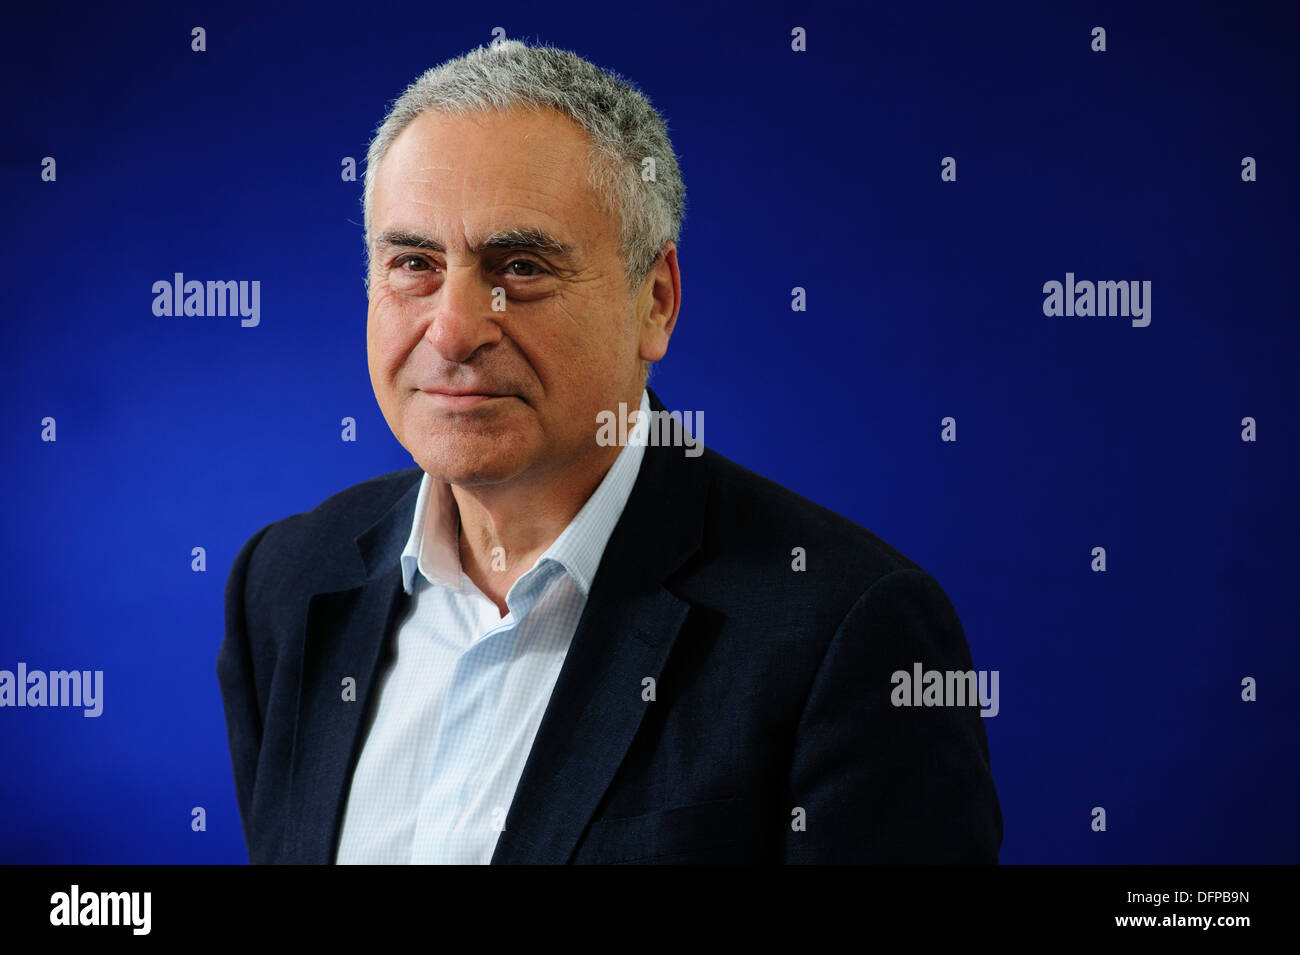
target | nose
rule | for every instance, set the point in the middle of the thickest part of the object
(462, 321)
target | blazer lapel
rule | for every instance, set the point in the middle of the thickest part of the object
(346, 633)
(626, 632)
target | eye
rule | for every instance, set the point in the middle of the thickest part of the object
(528, 262)
(411, 258)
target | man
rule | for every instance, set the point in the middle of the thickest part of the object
(541, 645)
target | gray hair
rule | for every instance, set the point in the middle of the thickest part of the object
(623, 128)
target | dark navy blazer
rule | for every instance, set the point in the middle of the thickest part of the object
(771, 736)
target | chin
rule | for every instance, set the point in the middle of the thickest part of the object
(475, 478)
(472, 460)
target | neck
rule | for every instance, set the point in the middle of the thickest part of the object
(505, 528)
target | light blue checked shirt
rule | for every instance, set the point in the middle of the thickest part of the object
(461, 701)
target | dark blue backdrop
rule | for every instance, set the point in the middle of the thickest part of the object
(818, 169)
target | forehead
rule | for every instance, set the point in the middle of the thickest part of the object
(486, 171)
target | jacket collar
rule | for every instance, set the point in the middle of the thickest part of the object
(625, 634)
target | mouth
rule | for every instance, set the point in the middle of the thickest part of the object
(454, 400)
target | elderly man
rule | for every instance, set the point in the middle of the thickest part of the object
(538, 646)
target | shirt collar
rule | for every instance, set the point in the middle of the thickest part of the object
(433, 546)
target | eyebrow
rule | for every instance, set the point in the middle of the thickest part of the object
(514, 240)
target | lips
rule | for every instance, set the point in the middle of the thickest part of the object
(459, 398)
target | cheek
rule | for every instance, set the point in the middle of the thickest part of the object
(597, 336)
(387, 336)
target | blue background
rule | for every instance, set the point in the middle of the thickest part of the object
(819, 169)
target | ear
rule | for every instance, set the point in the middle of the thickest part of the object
(657, 304)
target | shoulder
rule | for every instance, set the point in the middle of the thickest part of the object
(775, 550)
(314, 547)
(754, 510)
(355, 508)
